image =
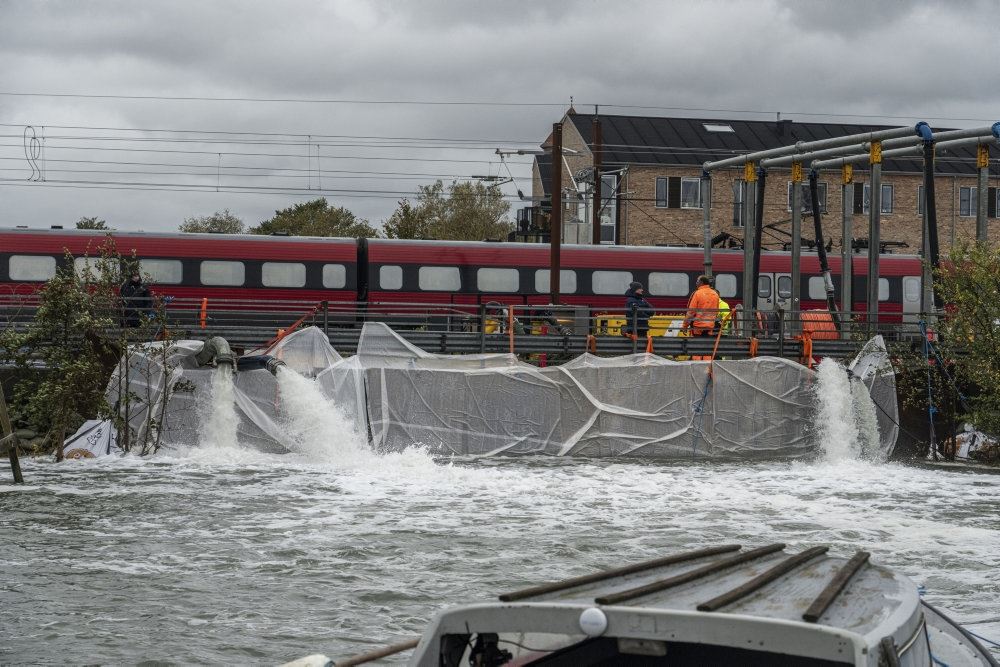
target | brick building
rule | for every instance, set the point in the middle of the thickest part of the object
(655, 184)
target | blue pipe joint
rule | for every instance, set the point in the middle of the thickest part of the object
(923, 131)
(996, 130)
(259, 362)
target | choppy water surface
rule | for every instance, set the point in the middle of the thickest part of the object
(224, 555)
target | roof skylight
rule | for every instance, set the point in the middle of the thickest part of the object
(717, 127)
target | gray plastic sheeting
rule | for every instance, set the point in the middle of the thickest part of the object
(397, 396)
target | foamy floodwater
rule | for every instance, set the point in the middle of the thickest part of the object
(227, 555)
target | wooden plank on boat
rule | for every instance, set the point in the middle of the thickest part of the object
(617, 572)
(686, 577)
(378, 654)
(758, 582)
(835, 587)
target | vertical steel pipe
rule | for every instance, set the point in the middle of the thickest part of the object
(555, 224)
(598, 184)
(874, 229)
(983, 191)
(846, 246)
(706, 217)
(796, 301)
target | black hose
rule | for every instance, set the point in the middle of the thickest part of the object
(824, 265)
(758, 232)
(931, 210)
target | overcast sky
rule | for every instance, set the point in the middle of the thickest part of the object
(506, 69)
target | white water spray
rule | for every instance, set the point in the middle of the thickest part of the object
(315, 426)
(846, 426)
(222, 420)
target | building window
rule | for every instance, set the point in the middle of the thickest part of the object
(390, 276)
(807, 197)
(920, 200)
(334, 276)
(669, 284)
(725, 285)
(162, 271)
(497, 280)
(661, 192)
(218, 272)
(886, 204)
(439, 278)
(739, 199)
(32, 267)
(567, 281)
(690, 193)
(611, 282)
(967, 200)
(283, 274)
(717, 127)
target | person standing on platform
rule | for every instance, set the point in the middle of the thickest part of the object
(637, 311)
(703, 311)
(137, 300)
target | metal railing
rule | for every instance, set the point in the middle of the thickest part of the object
(546, 333)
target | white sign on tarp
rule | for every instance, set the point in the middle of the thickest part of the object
(95, 438)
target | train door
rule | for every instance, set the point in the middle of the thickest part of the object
(774, 291)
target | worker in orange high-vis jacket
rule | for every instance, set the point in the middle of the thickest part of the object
(703, 311)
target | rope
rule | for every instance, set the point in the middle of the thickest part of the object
(944, 368)
(985, 639)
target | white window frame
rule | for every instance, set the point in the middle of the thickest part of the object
(883, 289)
(390, 277)
(296, 276)
(28, 273)
(612, 282)
(664, 283)
(823, 193)
(973, 200)
(666, 192)
(334, 276)
(567, 281)
(220, 264)
(891, 199)
(439, 279)
(497, 279)
(725, 285)
(153, 267)
(685, 180)
(739, 202)
(921, 202)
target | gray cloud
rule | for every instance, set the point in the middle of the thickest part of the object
(913, 60)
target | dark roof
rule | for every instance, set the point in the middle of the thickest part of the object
(647, 140)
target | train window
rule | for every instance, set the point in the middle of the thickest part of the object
(439, 278)
(497, 280)
(611, 282)
(390, 276)
(784, 287)
(763, 287)
(81, 264)
(32, 267)
(334, 276)
(725, 285)
(817, 288)
(283, 274)
(911, 288)
(883, 289)
(669, 284)
(567, 281)
(219, 272)
(162, 271)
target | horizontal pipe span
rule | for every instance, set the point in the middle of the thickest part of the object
(905, 152)
(616, 572)
(803, 146)
(693, 575)
(758, 582)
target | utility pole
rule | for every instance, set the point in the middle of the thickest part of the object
(555, 219)
(597, 149)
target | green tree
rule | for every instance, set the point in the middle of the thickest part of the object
(463, 212)
(316, 218)
(218, 223)
(91, 223)
(77, 336)
(970, 329)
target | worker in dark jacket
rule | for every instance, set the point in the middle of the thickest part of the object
(637, 311)
(136, 300)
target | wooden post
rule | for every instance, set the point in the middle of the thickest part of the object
(7, 434)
